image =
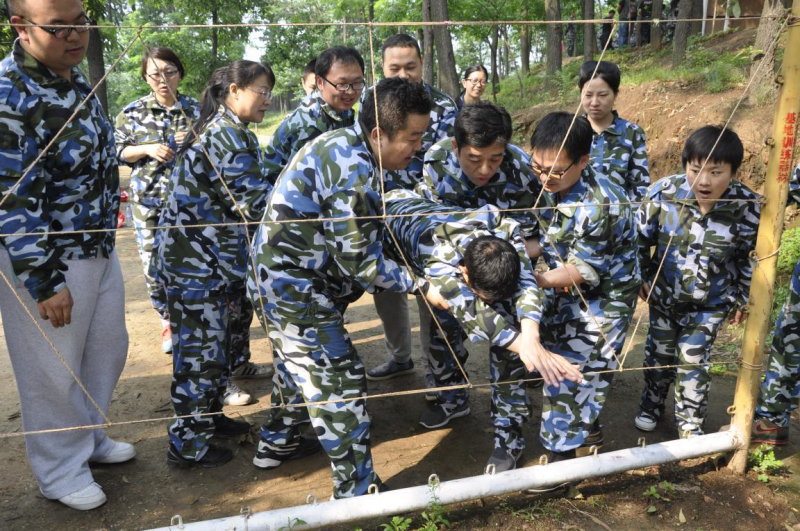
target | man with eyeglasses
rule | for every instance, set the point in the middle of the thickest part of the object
(588, 241)
(61, 291)
(340, 80)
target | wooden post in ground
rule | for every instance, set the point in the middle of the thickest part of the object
(779, 169)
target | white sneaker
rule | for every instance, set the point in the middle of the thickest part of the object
(234, 396)
(166, 337)
(120, 453)
(249, 370)
(645, 421)
(89, 497)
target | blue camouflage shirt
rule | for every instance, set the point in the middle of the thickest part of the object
(72, 187)
(620, 153)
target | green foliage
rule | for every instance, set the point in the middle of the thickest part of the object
(397, 523)
(789, 252)
(660, 491)
(652, 492)
(292, 523)
(762, 460)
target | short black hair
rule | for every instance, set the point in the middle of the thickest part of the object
(482, 124)
(163, 53)
(401, 40)
(493, 267)
(310, 67)
(343, 54)
(607, 71)
(551, 130)
(475, 68)
(700, 146)
(397, 98)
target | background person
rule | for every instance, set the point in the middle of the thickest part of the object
(474, 81)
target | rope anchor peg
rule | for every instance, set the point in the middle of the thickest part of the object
(176, 521)
(490, 469)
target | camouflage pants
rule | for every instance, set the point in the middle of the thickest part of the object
(570, 409)
(781, 387)
(315, 361)
(203, 324)
(241, 317)
(510, 403)
(680, 336)
(145, 221)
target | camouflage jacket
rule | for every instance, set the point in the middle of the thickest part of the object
(73, 187)
(513, 187)
(593, 228)
(312, 118)
(320, 241)
(432, 237)
(620, 154)
(440, 126)
(217, 180)
(145, 121)
(707, 262)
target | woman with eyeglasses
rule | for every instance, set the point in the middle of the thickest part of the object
(618, 147)
(474, 82)
(147, 134)
(201, 256)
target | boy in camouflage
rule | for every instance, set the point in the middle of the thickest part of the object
(588, 241)
(703, 226)
(147, 133)
(477, 261)
(781, 387)
(339, 82)
(318, 248)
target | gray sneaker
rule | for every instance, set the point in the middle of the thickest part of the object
(504, 459)
(440, 415)
(390, 369)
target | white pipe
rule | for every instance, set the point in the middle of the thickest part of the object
(402, 501)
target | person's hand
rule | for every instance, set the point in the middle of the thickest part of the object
(57, 309)
(160, 152)
(553, 367)
(532, 248)
(644, 291)
(738, 317)
(180, 137)
(541, 280)
(435, 298)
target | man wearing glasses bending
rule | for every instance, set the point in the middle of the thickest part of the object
(61, 289)
(340, 80)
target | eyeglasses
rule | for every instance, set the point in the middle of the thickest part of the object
(62, 32)
(168, 74)
(266, 94)
(550, 172)
(479, 82)
(358, 86)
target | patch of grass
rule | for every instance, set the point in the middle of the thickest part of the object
(266, 128)
(763, 460)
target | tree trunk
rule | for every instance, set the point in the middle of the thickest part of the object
(525, 43)
(552, 11)
(655, 29)
(696, 26)
(97, 66)
(214, 36)
(506, 53)
(681, 33)
(448, 78)
(427, 44)
(588, 30)
(764, 87)
(494, 36)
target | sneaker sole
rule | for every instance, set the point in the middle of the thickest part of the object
(446, 421)
(644, 427)
(226, 402)
(183, 464)
(390, 376)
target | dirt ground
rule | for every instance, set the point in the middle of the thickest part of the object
(145, 493)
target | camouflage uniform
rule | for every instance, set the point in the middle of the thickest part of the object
(434, 246)
(705, 275)
(306, 273)
(219, 179)
(514, 186)
(312, 118)
(72, 188)
(619, 153)
(146, 121)
(440, 126)
(591, 228)
(781, 387)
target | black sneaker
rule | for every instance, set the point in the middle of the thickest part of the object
(555, 457)
(767, 432)
(504, 459)
(439, 415)
(390, 369)
(214, 456)
(268, 457)
(227, 427)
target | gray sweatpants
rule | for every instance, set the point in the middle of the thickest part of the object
(94, 345)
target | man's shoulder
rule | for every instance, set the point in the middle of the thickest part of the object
(12, 84)
(441, 99)
(440, 151)
(666, 187)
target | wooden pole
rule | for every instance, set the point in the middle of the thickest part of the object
(779, 169)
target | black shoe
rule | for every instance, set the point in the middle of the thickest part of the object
(555, 457)
(267, 457)
(594, 439)
(227, 427)
(214, 456)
